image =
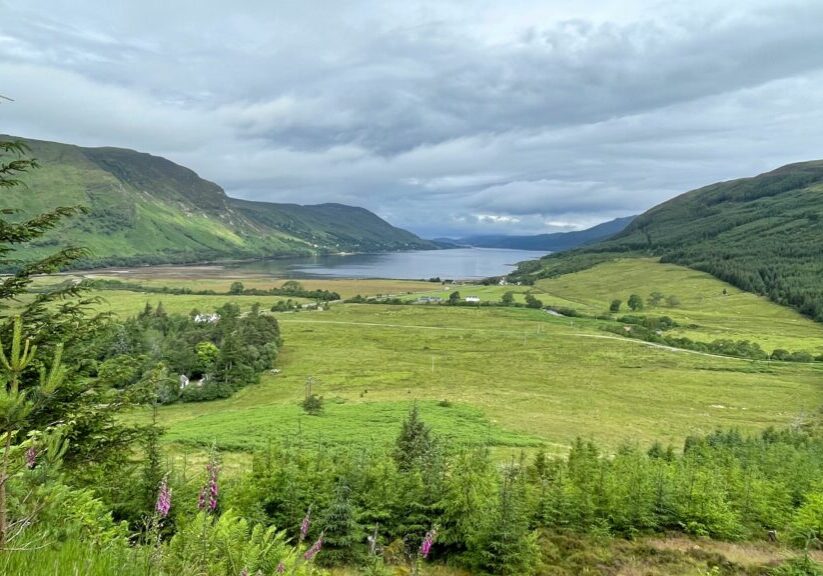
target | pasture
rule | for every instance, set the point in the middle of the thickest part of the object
(124, 303)
(219, 279)
(507, 377)
(704, 312)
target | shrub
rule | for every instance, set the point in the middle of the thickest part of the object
(313, 405)
(532, 302)
(228, 545)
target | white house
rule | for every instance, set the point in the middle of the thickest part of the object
(207, 318)
(473, 299)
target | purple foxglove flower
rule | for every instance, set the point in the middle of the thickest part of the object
(428, 541)
(31, 458)
(304, 526)
(208, 494)
(315, 548)
(163, 504)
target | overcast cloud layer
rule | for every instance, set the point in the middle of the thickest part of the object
(445, 117)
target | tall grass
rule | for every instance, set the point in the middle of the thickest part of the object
(74, 558)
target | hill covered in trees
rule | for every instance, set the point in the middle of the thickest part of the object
(762, 234)
(146, 209)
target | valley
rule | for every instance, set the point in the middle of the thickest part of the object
(197, 382)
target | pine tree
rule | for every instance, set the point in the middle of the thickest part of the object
(16, 406)
(57, 322)
(508, 546)
(343, 535)
(415, 444)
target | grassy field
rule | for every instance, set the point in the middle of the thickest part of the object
(513, 378)
(125, 304)
(737, 315)
(213, 277)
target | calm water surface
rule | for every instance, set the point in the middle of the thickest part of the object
(459, 263)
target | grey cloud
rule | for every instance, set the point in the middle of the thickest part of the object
(445, 117)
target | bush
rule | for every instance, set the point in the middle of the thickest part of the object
(228, 545)
(63, 514)
(570, 312)
(532, 302)
(313, 405)
(635, 302)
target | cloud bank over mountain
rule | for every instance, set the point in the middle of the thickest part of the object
(443, 117)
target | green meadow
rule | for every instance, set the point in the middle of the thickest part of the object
(705, 312)
(125, 303)
(511, 378)
(219, 279)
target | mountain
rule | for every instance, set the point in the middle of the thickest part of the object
(146, 209)
(763, 234)
(556, 242)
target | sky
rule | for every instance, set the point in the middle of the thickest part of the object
(447, 118)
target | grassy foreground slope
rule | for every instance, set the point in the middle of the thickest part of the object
(146, 209)
(762, 234)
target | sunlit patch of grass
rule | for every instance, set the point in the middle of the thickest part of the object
(705, 312)
(360, 423)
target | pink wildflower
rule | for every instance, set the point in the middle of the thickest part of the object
(428, 541)
(281, 568)
(31, 458)
(315, 548)
(304, 526)
(163, 504)
(208, 494)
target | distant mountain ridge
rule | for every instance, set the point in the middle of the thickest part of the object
(555, 242)
(146, 209)
(763, 234)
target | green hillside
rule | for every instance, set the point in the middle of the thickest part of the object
(146, 209)
(761, 234)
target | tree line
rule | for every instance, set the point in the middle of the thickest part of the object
(289, 288)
